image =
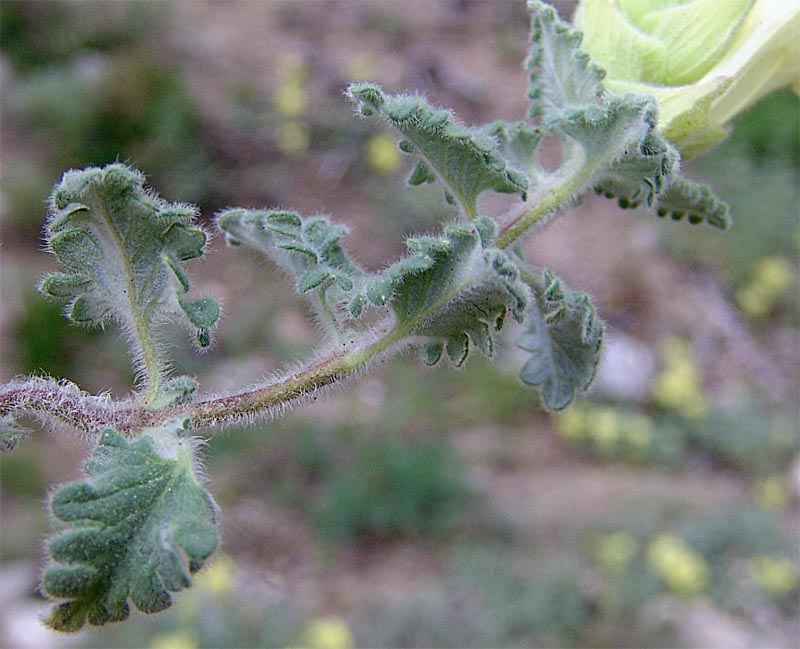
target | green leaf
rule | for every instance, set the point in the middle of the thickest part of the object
(686, 198)
(123, 250)
(625, 156)
(518, 141)
(307, 248)
(137, 528)
(562, 76)
(177, 390)
(563, 337)
(454, 290)
(467, 161)
(614, 143)
(11, 433)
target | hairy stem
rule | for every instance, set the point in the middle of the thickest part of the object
(67, 407)
(548, 198)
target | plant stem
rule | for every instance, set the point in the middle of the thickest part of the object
(50, 401)
(548, 198)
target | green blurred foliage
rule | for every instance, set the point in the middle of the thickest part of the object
(392, 488)
(46, 342)
(88, 85)
(36, 33)
(757, 170)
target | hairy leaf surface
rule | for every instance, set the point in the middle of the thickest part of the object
(11, 433)
(563, 337)
(613, 140)
(137, 528)
(455, 290)
(562, 76)
(695, 201)
(307, 248)
(468, 162)
(123, 251)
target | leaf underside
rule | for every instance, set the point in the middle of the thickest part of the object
(137, 528)
(563, 338)
(454, 290)
(307, 248)
(123, 251)
(627, 156)
(467, 161)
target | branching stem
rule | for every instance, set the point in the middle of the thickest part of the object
(548, 198)
(82, 413)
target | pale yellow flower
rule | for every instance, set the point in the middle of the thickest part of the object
(776, 576)
(685, 572)
(176, 640)
(704, 61)
(771, 280)
(218, 577)
(382, 153)
(679, 386)
(615, 550)
(328, 633)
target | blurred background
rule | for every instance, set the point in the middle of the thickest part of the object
(415, 507)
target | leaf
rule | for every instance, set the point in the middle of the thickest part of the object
(307, 248)
(468, 162)
(562, 76)
(137, 528)
(177, 390)
(11, 433)
(563, 337)
(686, 198)
(518, 141)
(454, 290)
(625, 155)
(616, 145)
(123, 250)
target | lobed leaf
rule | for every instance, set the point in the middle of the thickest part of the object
(614, 138)
(123, 251)
(454, 290)
(625, 154)
(518, 142)
(563, 337)
(307, 248)
(686, 198)
(137, 528)
(562, 76)
(468, 162)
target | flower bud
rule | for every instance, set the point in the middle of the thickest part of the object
(704, 61)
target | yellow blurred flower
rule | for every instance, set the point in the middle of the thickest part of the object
(328, 633)
(773, 492)
(572, 424)
(176, 640)
(615, 550)
(685, 572)
(218, 577)
(605, 428)
(679, 386)
(290, 97)
(382, 153)
(704, 61)
(772, 278)
(293, 138)
(289, 100)
(776, 576)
